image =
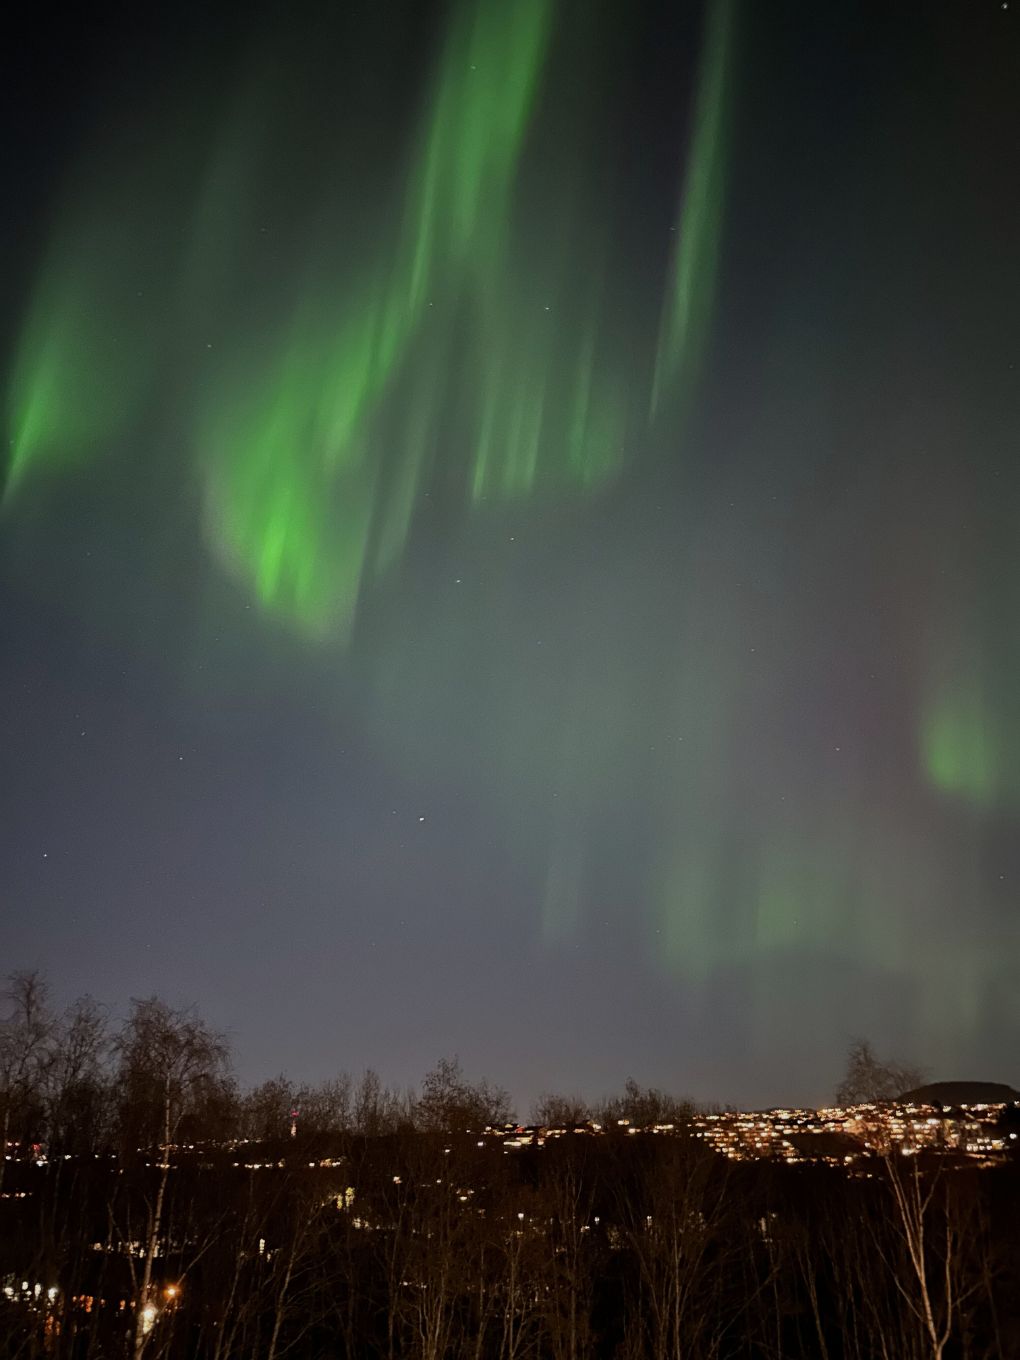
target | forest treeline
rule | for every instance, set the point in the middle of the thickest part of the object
(149, 1207)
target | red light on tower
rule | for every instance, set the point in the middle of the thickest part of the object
(293, 1123)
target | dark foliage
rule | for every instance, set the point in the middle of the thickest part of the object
(149, 1209)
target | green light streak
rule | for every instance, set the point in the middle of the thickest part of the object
(83, 362)
(298, 526)
(462, 339)
(959, 750)
(695, 257)
(300, 456)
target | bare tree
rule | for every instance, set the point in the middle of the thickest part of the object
(377, 1109)
(644, 1107)
(929, 1236)
(327, 1107)
(869, 1078)
(26, 1054)
(678, 1234)
(449, 1103)
(168, 1060)
(569, 1266)
(266, 1109)
(560, 1112)
(76, 1083)
(295, 1229)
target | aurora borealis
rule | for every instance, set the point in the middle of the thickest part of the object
(316, 433)
(511, 511)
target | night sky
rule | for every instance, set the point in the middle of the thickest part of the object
(510, 539)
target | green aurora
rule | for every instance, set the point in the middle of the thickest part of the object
(316, 434)
(361, 321)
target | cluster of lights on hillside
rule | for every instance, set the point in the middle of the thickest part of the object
(846, 1135)
(841, 1136)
